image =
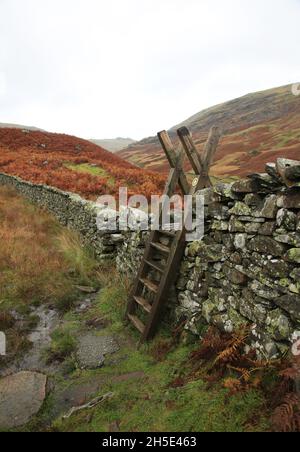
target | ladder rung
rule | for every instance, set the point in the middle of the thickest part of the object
(144, 303)
(137, 323)
(155, 266)
(168, 233)
(160, 247)
(149, 284)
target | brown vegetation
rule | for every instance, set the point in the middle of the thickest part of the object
(43, 157)
(258, 128)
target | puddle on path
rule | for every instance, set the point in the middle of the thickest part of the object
(40, 338)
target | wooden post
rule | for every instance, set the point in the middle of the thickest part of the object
(202, 164)
(190, 148)
(172, 157)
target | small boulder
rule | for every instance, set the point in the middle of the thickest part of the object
(21, 397)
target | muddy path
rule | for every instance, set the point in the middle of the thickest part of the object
(31, 381)
(40, 339)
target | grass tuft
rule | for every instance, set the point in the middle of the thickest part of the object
(62, 346)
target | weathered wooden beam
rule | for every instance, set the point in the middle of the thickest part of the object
(202, 164)
(190, 149)
(209, 152)
(175, 159)
(210, 147)
(168, 147)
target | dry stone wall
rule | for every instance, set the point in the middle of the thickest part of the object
(245, 271)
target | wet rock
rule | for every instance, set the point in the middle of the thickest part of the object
(39, 338)
(266, 245)
(21, 397)
(93, 348)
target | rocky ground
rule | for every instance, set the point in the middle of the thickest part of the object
(28, 381)
(84, 373)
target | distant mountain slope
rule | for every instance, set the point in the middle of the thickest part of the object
(18, 126)
(257, 128)
(115, 144)
(72, 164)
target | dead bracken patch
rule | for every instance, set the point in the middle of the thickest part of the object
(52, 159)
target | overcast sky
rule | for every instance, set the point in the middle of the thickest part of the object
(102, 69)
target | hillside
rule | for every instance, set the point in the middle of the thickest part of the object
(115, 144)
(257, 128)
(17, 126)
(71, 163)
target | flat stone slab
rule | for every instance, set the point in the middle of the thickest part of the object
(93, 349)
(21, 397)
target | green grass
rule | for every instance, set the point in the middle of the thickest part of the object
(63, 344)
(149, 402)
(144, 398)
(285, 138)
(93, 170)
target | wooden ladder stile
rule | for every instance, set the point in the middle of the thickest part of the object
(174, 251)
